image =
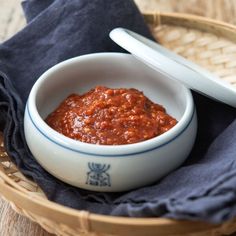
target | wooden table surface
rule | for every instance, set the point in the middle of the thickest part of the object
(12, 20)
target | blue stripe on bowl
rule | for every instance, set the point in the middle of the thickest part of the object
(110, 155)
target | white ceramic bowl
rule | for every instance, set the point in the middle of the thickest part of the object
(105, 167)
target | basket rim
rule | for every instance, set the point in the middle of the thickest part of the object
(10, 189)
(196, 22)
(97, 222)
(188, 16)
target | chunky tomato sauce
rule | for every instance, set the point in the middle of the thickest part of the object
(110, 116)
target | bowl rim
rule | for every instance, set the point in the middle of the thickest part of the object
(104, 150)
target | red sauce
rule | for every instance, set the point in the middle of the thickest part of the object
(110, 116)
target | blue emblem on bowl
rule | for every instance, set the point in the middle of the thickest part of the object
(98, 174)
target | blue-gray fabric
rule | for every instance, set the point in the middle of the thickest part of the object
(204, 188)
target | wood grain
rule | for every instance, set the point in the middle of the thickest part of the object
(13, 224)
(12, 20)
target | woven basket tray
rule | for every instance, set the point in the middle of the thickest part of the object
(209, 43)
